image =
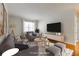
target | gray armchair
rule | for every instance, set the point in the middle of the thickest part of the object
(30, 36)
(56, 50)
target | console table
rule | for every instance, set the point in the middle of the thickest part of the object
(59, 38)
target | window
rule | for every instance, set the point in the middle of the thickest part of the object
(28, 26)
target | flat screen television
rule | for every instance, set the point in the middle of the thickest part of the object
(54, 27)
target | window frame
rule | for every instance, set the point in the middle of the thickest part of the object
(28, 26)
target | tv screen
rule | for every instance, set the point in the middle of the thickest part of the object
(54, 27)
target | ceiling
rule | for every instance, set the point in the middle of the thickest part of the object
(38, 11)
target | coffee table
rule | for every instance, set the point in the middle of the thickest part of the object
(41, 42)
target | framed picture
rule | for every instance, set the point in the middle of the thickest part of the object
(3, 19)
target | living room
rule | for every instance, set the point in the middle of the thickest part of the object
(34, 18)
(43, 16)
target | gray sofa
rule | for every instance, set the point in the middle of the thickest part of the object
(7, 43)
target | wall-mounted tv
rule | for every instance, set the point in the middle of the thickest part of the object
(54, 27)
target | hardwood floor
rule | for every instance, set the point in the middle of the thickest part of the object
(77, 49)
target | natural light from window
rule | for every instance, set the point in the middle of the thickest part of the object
(28, 26)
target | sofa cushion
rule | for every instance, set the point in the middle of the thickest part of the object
(54, 50)
(62, 46)
(21, 46)
(8, 43)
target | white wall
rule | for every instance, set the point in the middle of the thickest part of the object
(67, 20)
(78, 27)
(18, 22)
